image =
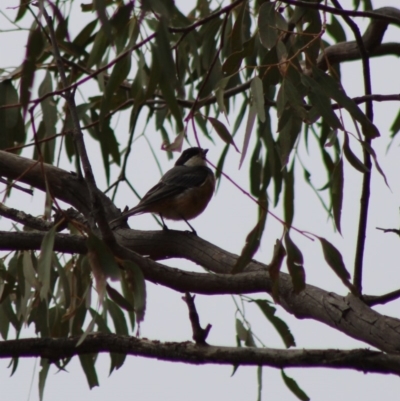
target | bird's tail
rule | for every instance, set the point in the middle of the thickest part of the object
(131, 212)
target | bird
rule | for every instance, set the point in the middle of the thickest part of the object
(182, 193)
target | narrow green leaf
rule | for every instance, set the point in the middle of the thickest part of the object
(337, 193)
(288, 196)
(395, 128)
(119, 299)
(237, 30)
(232, 63)
(256, 171)
(14, 363)
(333, 90)
(11, 316)
(109, 146)
(280, 326)
(294, 261)
(164, 52)
(291, 100)
(45, 366)
(239, 345)
(118, 318)
(34, 48)
(244, 334)
(239, 117)
(89, 330)
(336, 30)
(257, 91)
(29, 272)
(288, 136)
(166, 81)
(352, 158)
(100, 7)
(294, 387)
(82, 39)
(249, 129)
(50, 118)
(22, 8)
(100, 46)
(222, 132)
(13, 130)
(241, 331)
(87, 363)
(271, 24)
(219, 91)
(320, 100)
(371, 151)
(99, 321)
(220, 165)
(135, 279)
(102, 258)
(119, 73)
(334, 259)
(252, 244)
(4, 321)
(45, 262)
(64, 282)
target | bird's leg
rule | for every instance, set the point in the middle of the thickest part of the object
(164, 226)
(193, 230)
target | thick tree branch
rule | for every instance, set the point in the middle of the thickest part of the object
(362, 360)
(65, 186)
(371, 41)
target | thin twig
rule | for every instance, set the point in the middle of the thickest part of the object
(199, 334)
(16, 186)
(366, 185)
(372, 300)
(389, 230)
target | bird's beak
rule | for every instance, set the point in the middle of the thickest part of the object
(204, 153)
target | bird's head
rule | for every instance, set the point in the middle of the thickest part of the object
(192, 157)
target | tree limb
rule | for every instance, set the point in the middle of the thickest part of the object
(362, 360)
(26, 219)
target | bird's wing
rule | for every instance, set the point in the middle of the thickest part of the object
(176, 181)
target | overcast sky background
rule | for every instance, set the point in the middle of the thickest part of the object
(226, 223)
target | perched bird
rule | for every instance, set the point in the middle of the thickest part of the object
(182, 193)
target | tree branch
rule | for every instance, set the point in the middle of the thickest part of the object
(371, 42)
(380, 14)
(372, 300)
(24, 218)
(362, 360)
